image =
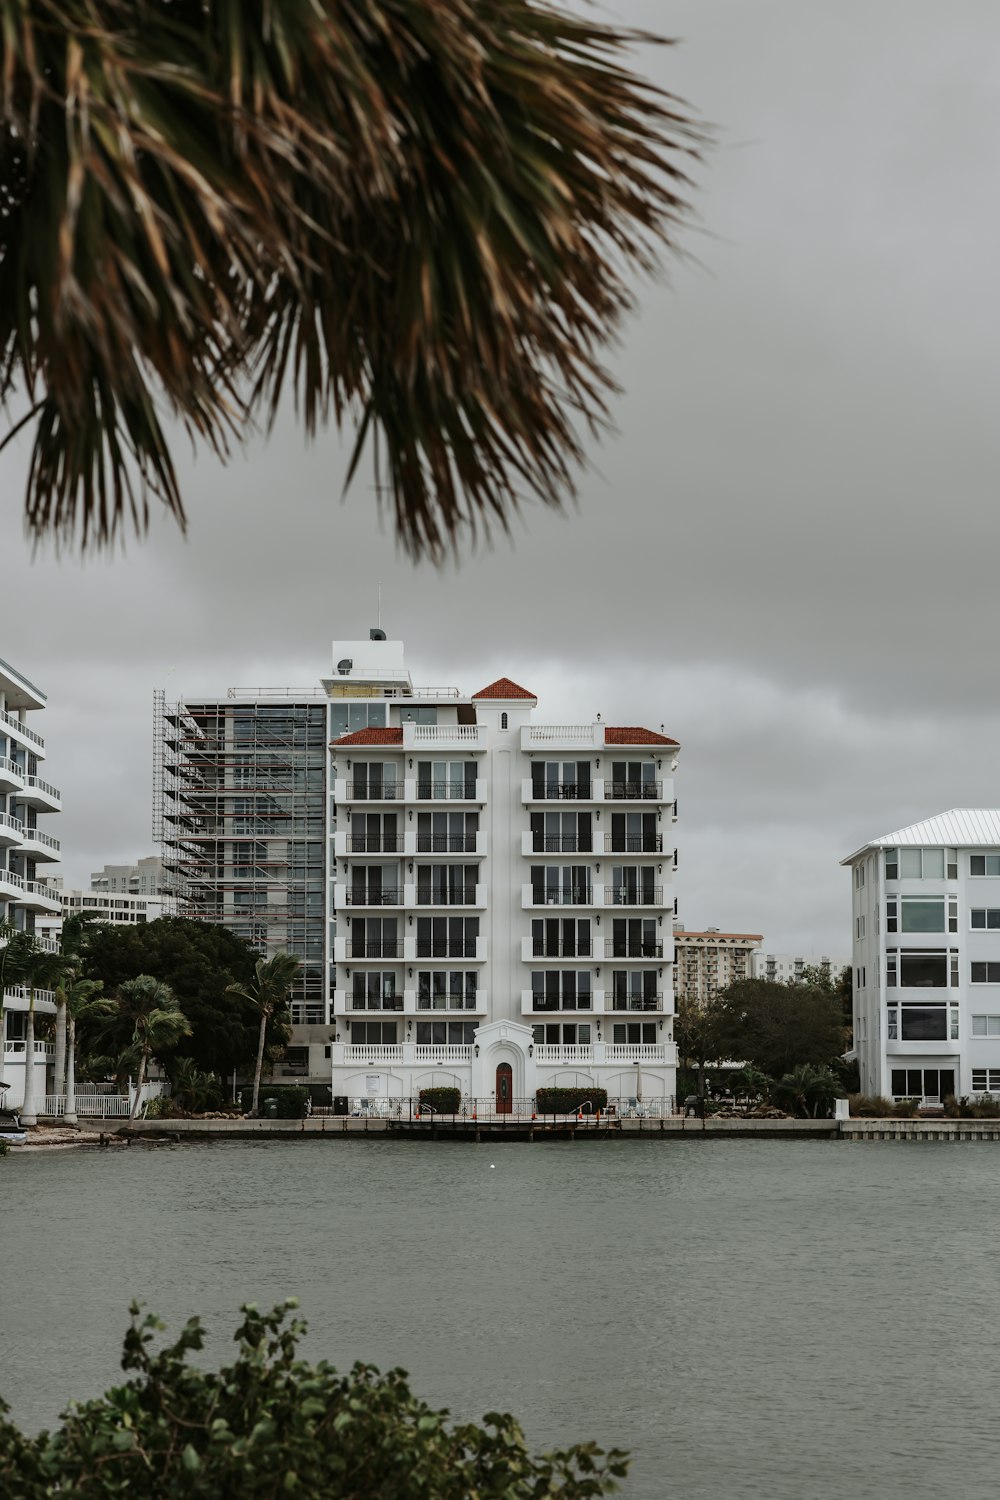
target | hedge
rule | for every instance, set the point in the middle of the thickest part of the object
(565, 1101)
(443, 1101)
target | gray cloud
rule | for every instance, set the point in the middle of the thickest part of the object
(786, 554)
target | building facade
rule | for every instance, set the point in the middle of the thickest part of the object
(26, 850)
(707, 962)
(490, 898)
(144, 878)
(786, 968)
(118, 908)
(926, 957)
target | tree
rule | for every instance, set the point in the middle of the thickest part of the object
(267, 992)
(806, 1090)
(699, 1037)
(272, 1424)
(776, 1027)
(421, 217)
(199, 960)
(146, 1011)
(73, 937)
(82, 1001)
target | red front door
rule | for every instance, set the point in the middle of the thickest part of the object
(505, 1090)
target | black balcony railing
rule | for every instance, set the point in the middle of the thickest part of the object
(446, 843)
(542, 949)
(541, 1002)
(389, 896)
(383, 1002)
(376, 843)
(577, 895)
(637, 1002)
(633, 843)
(633, 895)
(378, 791)
(570, 791)
(386, 948)
(632, 948)
(446, 791)
(642, 791)
(464, 897)
(562, 843)
(446, 1002)
(431, 949)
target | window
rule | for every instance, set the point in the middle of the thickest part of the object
(559, 937)
(923, 1083)
(921, 1023)
(859, 926)
(919, 970)
(986, 1025)
(986, 973)
(561, 989)
(915, 864)
(503, 720)
(914, 914)
(986, 1080)
(446, 1033)
(446, 779)
(632, 1032)
(346, 718)
(984, 864)
(570, 1034)
(375, 991)
(446, 989)
(985, 918)
(561, 832)
(560, 778)
(373, 1033)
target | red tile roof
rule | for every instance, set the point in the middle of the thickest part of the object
(504, 688)
(369, 737)
(635, 736)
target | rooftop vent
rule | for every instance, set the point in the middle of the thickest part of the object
(376, 635)
(344, 665)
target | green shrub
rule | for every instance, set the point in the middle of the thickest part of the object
(442, 1101)
(272, 1424)
(566, 1101)
(869, 1106)
(291, 1102)
(904, 1109)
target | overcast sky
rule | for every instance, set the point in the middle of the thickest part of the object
(786, 555)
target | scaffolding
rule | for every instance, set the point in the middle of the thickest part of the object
(239, 806)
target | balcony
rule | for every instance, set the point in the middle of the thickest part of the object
(446, 1053)
(556, 843)
(365, 791)
(40, 845)
(373, 1054)
(11, 724)
(391, 948)
(346, 1002)
(637, 1002)
(637, 1052)
(444, 737)
(568, 1054)
(621, 895)
(348, 846)
(589, 737)
(445, 844)
(40, 794)
(633, 844)
(345, 896)
(536, 1003)
(417, 1004)
(467, 896)
(563, 791)
(11, 830)
(11, 885)
(470, 951)
(39, 897)
(532, 948)
(445, 791)
(626, 948)
(633, 791)
(532, 896)
(11, 775)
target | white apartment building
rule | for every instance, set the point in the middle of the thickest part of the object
(479, 900)
(25, 850)
(786, 968)
(144, 878)
(104, 906)
(926, 913)
(707, 962)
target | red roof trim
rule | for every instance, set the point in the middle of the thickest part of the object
(369, 737)
(633, 735)
(505, 688)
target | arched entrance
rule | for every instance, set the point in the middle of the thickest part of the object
(505, 1089)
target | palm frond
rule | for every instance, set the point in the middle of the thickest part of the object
(419, 218)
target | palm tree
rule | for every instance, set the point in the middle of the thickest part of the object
(151, 1009)
(806, 1089)
(41, 972)
(82, 999)
(419, 217)
(72, 949)
(267, 991)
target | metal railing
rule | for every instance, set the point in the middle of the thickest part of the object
(560, 950)
(623, 948)
(485, 1111)
(364, 791)
(465, 897)
(386, 948)
(384, 1002)
(376, 844)
(388, 897)
(15, 723)
(562, 843)
(578, 895)
(637, 1002)
(446, 843)
(12, 767)
(571, 791)
(638, 895)
(446, 1002)
(541, 1002)
(445, 791)
(446, 950)
(633, 843)
(651, 791)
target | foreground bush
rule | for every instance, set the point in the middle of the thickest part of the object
(270, 1424)
(443, 1101)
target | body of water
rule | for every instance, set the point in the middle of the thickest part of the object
(795, 1321)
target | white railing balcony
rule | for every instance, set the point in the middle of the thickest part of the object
(443, 1054)
(11, 883)
(13, 725)
(39, 793)
(562, 736)
(373, 1054)
(11, 775)
(635, 1052)
(16, 1049)
(11, 829)
(569, 896)
(563, 792)
(568, 1054)
(46, 943)
(38, 897)
(40, 845)
(432, 737)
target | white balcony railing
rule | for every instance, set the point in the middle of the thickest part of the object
(635, 1052)
(438, 736)
(36, 836)
(10, 825)
(451, 1054)
(591, 735)
(10, 878)
(44, 788)
(569, 1054)
(11, 772)
(14, 723)
(373, 1054)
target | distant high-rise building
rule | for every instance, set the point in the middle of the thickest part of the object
(144, 878)
(788, 967)
(707, 962)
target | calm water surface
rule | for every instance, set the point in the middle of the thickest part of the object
(800, 1321)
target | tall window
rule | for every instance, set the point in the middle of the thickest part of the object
(560, 778)
(455, 779)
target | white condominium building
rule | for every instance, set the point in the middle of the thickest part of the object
(926, 912)
(786, 968)
(707, 962)
(144, 878)
(480, 900)
(26, 849)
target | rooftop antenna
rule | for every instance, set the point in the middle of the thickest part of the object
(380, 606)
